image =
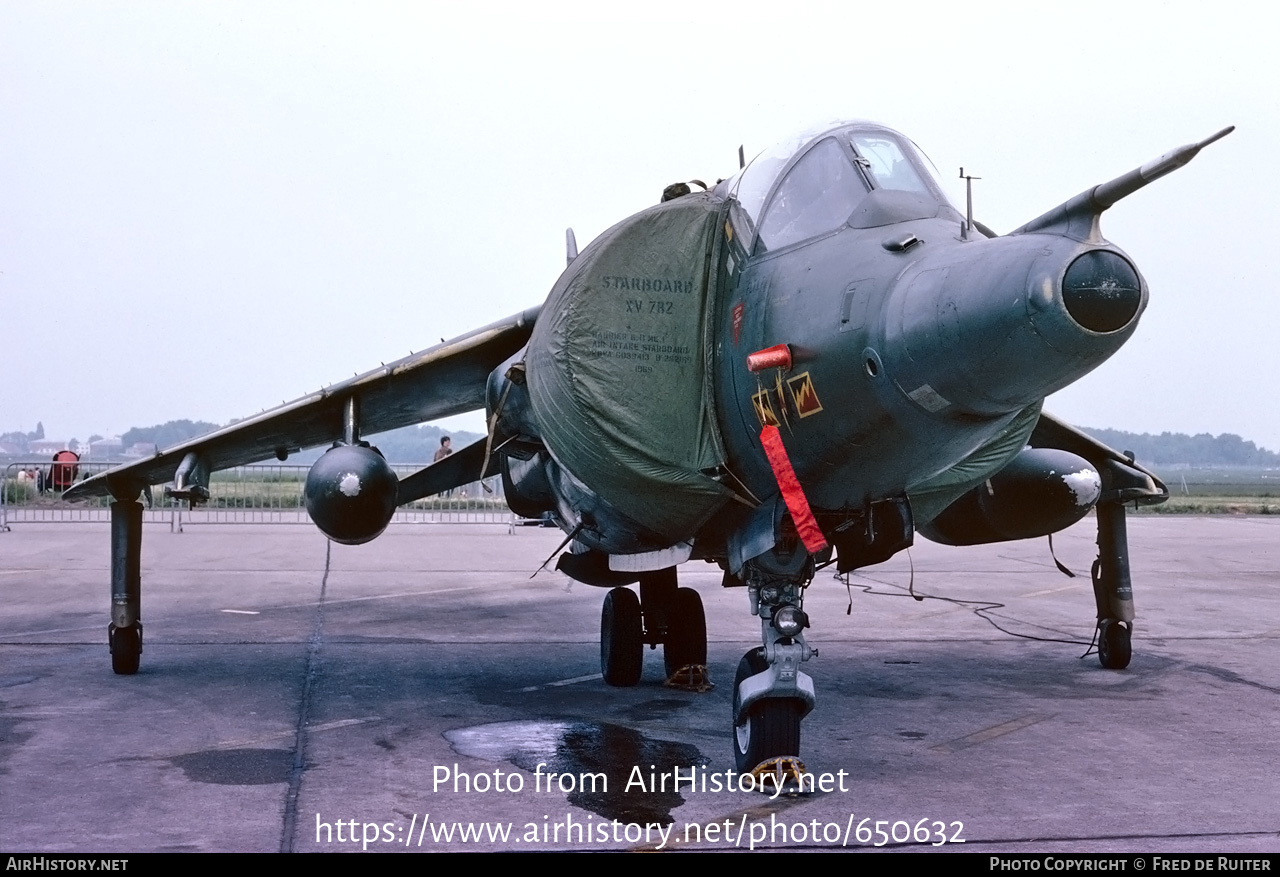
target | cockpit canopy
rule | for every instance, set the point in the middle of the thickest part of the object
(811, 185)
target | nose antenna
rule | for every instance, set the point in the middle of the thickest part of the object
(1079, 215)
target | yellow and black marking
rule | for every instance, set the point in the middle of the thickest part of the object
(764, 409)
(803, 395)
(691, 677)
(785, 773)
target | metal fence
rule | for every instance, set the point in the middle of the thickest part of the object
(262, 493)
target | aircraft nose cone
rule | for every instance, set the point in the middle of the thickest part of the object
(1102, 291)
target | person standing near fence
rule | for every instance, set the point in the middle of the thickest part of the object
(443, 451)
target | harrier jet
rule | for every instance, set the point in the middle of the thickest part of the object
(805, 364)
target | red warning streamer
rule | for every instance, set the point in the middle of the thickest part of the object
(792, 492)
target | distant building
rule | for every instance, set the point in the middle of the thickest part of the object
(42, 447)
(105, 449)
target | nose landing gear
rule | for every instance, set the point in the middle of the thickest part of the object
(770, 693)
(770, 727)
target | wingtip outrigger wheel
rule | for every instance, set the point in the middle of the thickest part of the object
(1115, 643)
(126, 648)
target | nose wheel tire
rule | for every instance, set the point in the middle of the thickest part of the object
(1115, 644)
(126, 648)
(621, 638)
(686, 633)
(771, 727)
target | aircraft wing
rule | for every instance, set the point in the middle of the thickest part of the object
(438, 382)
(1123, 480)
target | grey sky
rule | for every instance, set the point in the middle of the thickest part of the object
(208, 208)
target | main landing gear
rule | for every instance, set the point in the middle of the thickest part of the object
(665, 614)
(770, 693)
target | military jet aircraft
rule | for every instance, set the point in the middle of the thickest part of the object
(804, 364)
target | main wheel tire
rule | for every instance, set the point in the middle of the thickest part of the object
(126, 649)
(621, 638)
(770, 728)
(686, 632)
(1115, 645)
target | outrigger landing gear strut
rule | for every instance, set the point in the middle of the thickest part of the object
(1112, 588)
(124, 634)
(1122, 482)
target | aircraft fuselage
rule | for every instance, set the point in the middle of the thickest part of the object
(912, 345)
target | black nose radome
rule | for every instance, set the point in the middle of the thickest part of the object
(1102, 292)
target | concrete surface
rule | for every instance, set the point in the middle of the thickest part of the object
(287, 702)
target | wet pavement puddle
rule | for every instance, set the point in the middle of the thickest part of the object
(576, 750)
(237, 767)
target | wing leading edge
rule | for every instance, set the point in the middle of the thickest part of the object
(1123, 480)
(438, 382)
